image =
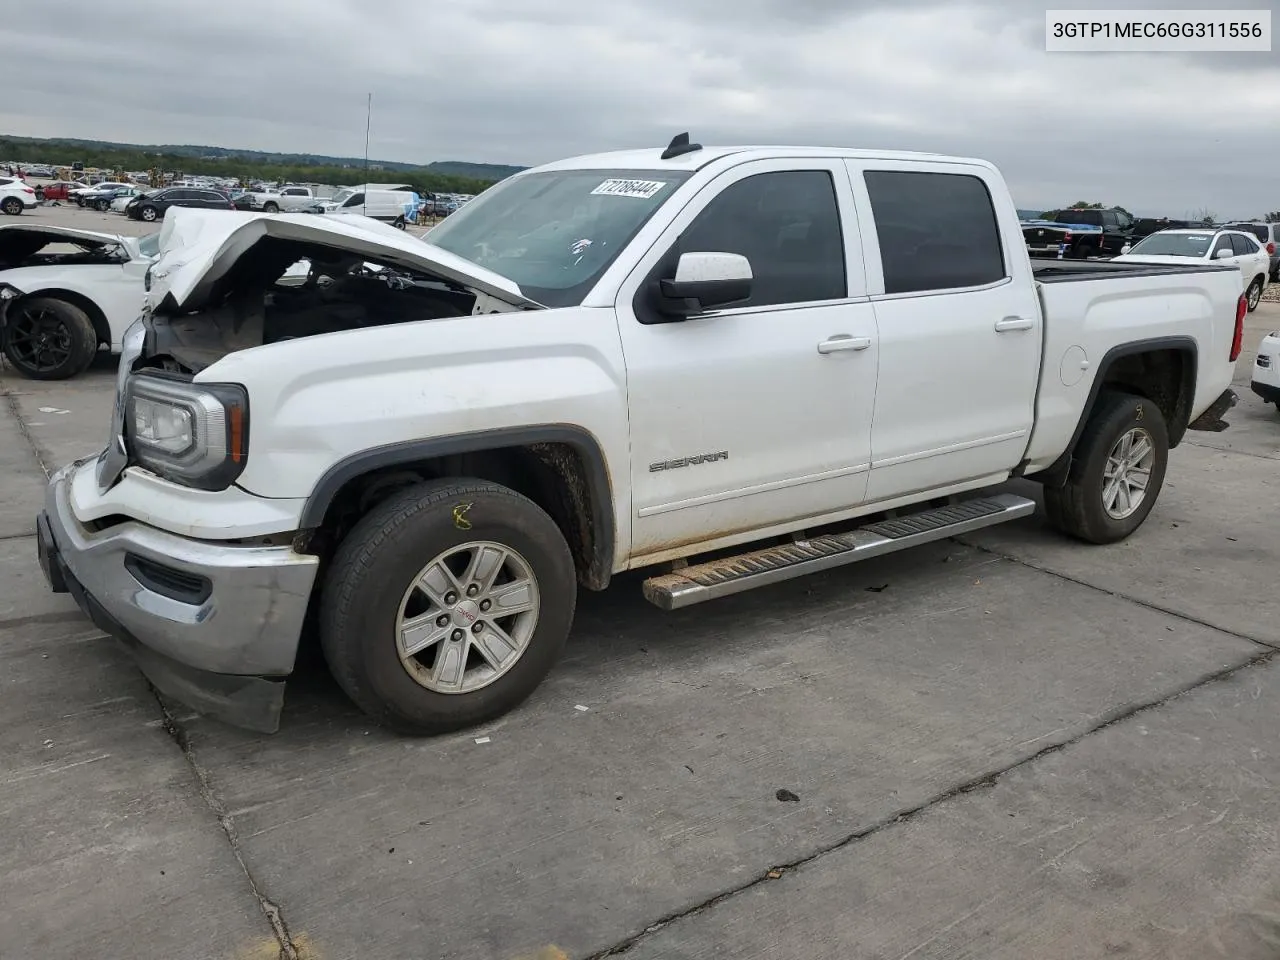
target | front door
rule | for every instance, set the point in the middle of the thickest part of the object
(757, 415)
(959, 335)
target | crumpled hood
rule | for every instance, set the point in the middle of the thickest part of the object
(199, 247)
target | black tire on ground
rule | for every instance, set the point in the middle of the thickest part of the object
(1084, 251)
(1077, 509)
(399, 223)
(71, 345)
(271, 208)
(383, 555)
(102, 205)
(12, 206)
(1254, 294)
(148, 213)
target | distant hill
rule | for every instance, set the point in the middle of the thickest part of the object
(448, 168)
(476, 171)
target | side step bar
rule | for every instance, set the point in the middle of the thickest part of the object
(721, 578)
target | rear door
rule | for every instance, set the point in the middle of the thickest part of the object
(758, 415)
(959, 326)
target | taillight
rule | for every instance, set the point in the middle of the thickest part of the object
(1271, 249)
(1067, 236)
(28, 190)
(1242, 307)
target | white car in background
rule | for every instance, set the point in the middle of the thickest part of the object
(1266, 369)
(16, 196)
(122, 200)
(65, 293)
(1207, 245)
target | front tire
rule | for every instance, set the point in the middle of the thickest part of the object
(408, 615)
(1254, 294)
(270, 208)
(48, 339)
(1117, 473)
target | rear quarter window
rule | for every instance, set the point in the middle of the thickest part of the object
(937, 231)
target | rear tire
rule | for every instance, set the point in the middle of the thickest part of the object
(370, 592)
(48, 339)
(12, 206)
(1100, 502)
(1254, 294)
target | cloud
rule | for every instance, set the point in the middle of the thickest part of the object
(518, 82)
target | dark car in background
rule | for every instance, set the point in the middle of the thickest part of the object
(152, 206)
(1268, 235)
(1109, 230)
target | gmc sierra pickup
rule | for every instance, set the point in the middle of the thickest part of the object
(726, 366)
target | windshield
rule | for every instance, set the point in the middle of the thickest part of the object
(149, 246)
(342, 196)
(555, 233)
(1174, 245)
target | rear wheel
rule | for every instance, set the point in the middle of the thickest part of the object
(447, 605)
(399, 223)
(47, 339)
(1254, 294)
(12, 206)
(1117, 472)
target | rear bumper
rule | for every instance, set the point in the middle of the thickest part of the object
(1267, 391)
(209, 624)
(1211, 420)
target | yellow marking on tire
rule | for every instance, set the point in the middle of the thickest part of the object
(460, 516)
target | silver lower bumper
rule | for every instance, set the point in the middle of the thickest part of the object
(207, 622)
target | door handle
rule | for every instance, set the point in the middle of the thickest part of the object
(844, 342)
(1014, 323)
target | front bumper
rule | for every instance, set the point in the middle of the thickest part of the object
(210, 624)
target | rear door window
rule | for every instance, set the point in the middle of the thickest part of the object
(1242, 245)
(938, 231)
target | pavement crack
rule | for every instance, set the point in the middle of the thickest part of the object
(981, 782)
(288, 949)
(1137, 601)
(12, 400)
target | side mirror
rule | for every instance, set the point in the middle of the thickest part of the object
(1224, 253)
(705, 280)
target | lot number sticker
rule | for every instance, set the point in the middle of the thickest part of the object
(639, 189)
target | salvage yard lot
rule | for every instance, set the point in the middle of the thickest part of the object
(1008, 746)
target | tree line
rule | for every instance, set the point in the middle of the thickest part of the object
(138, 160)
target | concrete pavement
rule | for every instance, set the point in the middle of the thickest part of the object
(1008, 747)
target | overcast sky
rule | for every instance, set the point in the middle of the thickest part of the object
(527, 81)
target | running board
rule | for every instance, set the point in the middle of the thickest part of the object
(721, 578)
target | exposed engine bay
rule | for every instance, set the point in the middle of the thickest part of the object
(289, 290)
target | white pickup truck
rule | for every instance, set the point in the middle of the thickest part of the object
(726, 366)
(285, 200)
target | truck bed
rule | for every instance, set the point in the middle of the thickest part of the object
(1060, 271)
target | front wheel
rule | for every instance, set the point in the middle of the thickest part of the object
(1117, 473)
(1254, 294)
(447, 605)
(101, 206)
(148, 214)
(270, 208)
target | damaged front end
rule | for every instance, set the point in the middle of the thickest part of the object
(225, 283)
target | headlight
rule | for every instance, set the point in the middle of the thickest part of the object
(196, 434)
